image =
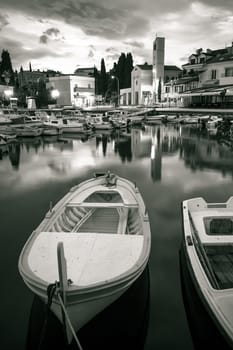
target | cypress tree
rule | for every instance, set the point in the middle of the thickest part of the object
(103, 78)
(121, 70)
(129, 68)
(6, 70)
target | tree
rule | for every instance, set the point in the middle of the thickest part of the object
(121, 70)
(128, 70)
(42, 94)
(103, 78)
(6, 70)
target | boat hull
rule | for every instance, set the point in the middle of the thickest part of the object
(205, 332)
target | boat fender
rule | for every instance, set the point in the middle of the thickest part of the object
(189, 240)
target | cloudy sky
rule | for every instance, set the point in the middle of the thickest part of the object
(67, 34)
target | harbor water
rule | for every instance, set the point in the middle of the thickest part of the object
(169, 163)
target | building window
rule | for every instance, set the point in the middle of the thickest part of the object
(167, 89)
(202, 60)
(89, 86)
(181, 88)
(192, 61)
(229, 72)
(213, 74)
(136, 82)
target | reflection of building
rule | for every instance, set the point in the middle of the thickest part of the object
(206, 154)
(14, 155)
(140, 143)
(76, 90)
(156, 157)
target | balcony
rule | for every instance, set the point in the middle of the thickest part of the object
(210, 82)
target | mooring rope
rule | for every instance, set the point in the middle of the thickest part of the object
(68, 321)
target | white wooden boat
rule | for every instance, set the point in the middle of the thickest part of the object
(51, 131)
(27, 131)
(100, 122)
(68, 125)
(104, 228)
(208, 248)
(7, 134)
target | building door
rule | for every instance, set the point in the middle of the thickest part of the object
(136, 98)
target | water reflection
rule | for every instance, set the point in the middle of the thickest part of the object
(66, 154)
(123, 325)
(14, 155)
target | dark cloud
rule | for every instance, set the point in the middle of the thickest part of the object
(3, 21)
(43, 39)
(91, 54)
(92, 47)
(20, 55)
(110, 49)
(52, 31)
(224, 4)
(135, 44)
(113, 57)
(111, 20)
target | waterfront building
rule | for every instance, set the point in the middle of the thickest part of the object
(74, 89)
(207, 80)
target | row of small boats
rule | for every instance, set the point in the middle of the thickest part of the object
(95, 243)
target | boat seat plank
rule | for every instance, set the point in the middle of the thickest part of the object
(221, 260)
(91, 258)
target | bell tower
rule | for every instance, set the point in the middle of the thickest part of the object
(158, 68)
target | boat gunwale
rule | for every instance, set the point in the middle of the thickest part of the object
(205, 290)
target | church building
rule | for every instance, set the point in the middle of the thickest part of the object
(147, 80)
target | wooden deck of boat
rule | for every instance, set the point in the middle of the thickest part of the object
(221, 260)
(91, 257)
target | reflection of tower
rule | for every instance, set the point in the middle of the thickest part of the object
(104, 144)
(158, 68)
(156, 157)
(14, 155)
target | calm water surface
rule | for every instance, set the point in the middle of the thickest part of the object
(168, 163)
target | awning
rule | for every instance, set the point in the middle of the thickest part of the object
(217, 91)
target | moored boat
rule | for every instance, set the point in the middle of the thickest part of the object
(68, 125)
(103, 229)
(52, 131)
(208, 250)
(27, 131)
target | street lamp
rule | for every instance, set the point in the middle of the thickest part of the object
(55, 94)
(8, 93)
(118, 87)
